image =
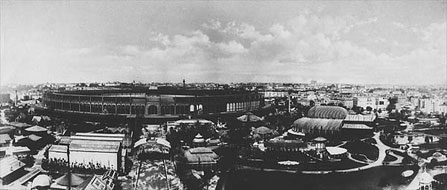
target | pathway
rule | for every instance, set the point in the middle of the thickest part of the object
(382, 154)
(379, 162)
(367, 161)
(395, 162)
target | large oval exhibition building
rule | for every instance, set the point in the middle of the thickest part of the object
(148, 103)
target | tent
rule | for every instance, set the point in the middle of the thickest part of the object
(152, 147)
(262, 130)
(198, 138)
(64, 180)
(34, 138)
(158, 141)
(36, 128)
(249, 117)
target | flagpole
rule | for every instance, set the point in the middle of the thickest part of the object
(69, 167)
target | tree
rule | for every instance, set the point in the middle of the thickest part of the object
(392, 105)
(369, 108)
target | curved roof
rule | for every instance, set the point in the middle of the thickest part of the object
(315, 123)
(327, 112)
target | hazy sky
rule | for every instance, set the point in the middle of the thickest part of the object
(393, 42)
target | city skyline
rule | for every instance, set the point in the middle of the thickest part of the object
(361, 42)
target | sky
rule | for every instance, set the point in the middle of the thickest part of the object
(362, 42)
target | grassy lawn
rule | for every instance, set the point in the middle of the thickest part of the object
(360, 147)
(390, 158)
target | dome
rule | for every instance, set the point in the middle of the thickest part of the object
(327, 112)
(41, 181)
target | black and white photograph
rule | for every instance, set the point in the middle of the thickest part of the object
(223, 95)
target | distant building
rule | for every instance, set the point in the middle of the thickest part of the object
(165, 104)
(274, 94)
(429, 105)
(5, 98)
(373, 102)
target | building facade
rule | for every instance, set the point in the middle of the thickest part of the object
(153, 103)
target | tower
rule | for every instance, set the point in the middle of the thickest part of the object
(16, 99)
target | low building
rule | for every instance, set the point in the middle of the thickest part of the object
(5, 140)
(5, 99)
(373, 102)
(201, 158)
(103, 150)
(10, 170)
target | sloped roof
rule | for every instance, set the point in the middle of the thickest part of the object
(94, 146)
(4, 138)
(356, 126)
(64, 180)
(9, 165)
(36, 128)
(6, 129)
(315, 123)
(34, 137)
(19, 125)
(360, 117)
(193, 121)
(58, 148)
(201, 155)
(327, 112)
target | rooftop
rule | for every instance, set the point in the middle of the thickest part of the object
(9, 165)
(94, 146)
(327, 112)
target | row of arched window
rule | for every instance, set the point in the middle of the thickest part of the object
(238, 106)
(151, 109)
